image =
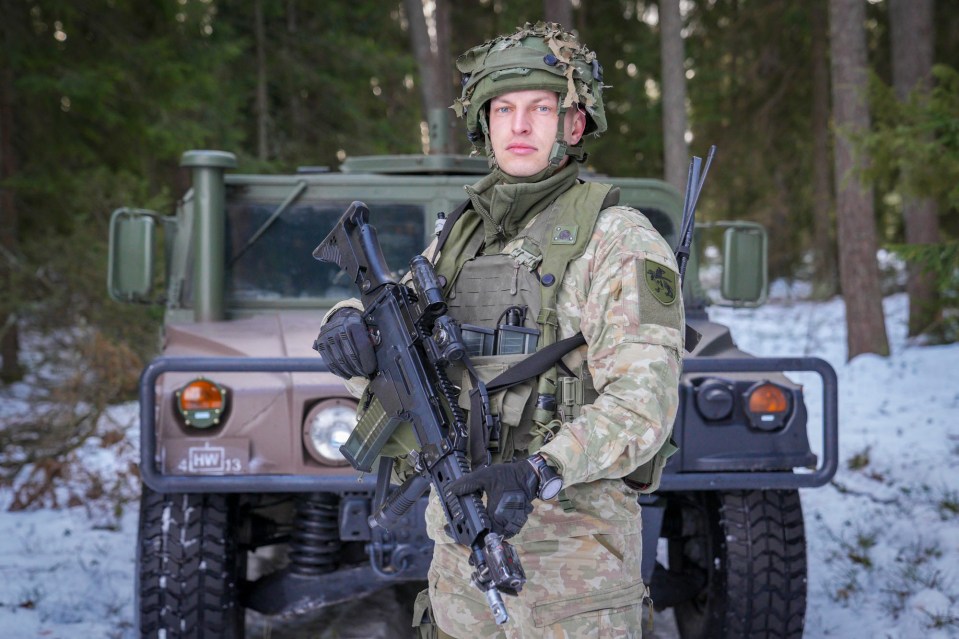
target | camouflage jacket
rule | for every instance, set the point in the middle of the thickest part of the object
(619, 293)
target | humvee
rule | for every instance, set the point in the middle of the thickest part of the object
(247, 502)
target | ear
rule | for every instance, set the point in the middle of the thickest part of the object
(577, 126)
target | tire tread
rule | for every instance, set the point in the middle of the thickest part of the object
(187, 567)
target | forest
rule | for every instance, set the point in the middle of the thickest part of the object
(837, 123)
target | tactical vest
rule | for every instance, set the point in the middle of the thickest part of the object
(506, 305)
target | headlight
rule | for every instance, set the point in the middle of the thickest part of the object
(201, 403)
(715, 400)
(767, 405)
(327, 427)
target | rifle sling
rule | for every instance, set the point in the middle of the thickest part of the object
(531, 367)
(536, 364)
(449, 224)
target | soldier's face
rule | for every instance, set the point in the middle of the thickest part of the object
(522, 127)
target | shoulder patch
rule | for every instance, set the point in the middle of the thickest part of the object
(661, 281)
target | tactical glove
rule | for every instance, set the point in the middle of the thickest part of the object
(510, 489)
(345, 344)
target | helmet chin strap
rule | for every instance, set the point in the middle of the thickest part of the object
(561, 148)
(484, 125)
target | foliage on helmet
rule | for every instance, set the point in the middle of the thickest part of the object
(537, 57)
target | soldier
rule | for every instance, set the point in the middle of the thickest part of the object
(537, 256)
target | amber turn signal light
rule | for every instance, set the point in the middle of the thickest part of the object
(767, 406)
(201, 403)
(768, 398)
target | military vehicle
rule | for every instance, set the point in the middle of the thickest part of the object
(247, 502)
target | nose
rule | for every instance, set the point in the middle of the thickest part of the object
(520, 121)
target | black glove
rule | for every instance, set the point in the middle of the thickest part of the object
(510, 489)
(345, 344)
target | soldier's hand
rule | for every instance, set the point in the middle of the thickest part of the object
(345, 344)
(510, 489)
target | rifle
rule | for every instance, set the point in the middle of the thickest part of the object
(415, 341)
(694, 185)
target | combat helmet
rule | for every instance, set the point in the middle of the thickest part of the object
(540, 56)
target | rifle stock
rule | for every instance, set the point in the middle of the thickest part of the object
(353, 246)
(415, 341)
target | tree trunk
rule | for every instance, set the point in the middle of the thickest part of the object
(433, 59)
(858, 269)
(560, 11)
(10, 369)
(262, 106)
(448, 78)
(298, 118)
(825, 276)
(912, 56)
(675, 150)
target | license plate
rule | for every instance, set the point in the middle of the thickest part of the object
(213, 457)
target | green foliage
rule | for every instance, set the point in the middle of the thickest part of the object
(914, 143)
(913, 146)
(103, 103)
(751, 95)
(942, 260)
(628, 47)
(341, 79)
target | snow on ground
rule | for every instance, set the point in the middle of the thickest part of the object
(883, 537)
(69, 573)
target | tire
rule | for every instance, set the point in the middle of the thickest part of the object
(751, 546)
(188, 567)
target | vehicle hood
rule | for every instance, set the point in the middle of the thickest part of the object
(718, 342)
(715, 341)
(288, 334)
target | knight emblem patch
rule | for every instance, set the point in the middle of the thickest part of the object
(662, 282)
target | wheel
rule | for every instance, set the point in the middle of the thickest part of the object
(188, 567)
(749, 549)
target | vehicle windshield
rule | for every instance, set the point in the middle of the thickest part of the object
(280, 264)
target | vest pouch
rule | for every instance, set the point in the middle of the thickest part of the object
(646, 478)
(513, 406)
(572, 393)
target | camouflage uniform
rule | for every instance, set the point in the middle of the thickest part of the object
(583, 562)
(581, 557)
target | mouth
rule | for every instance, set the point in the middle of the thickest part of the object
(521, 148)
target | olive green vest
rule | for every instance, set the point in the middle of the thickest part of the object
(509, 300)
